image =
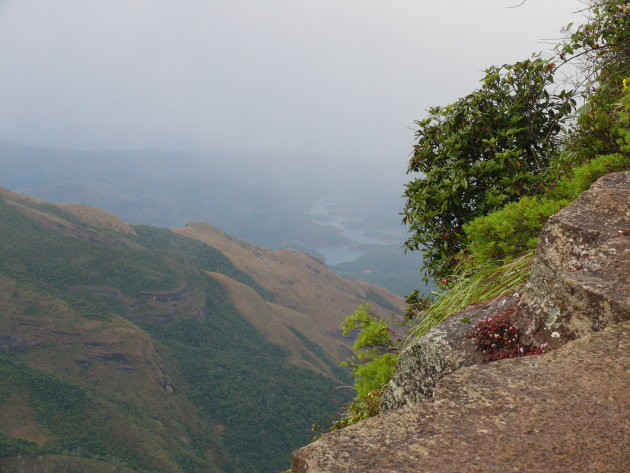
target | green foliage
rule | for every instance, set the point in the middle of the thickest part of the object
(232, 374)
(360, 408)
(195, 253)
(602, 128)
(603, 41)
(374, 374)
(480, 153)
(373, 347)
(471, 285)
(600, 48)
(58, 405)
(507, 233)
(501, 245)
(67, 411)
(495, 257)
(243, 382)
(374, 334)
(469, 201)
(588, 173)
(373, 364)
(511, 231)
(31, 252)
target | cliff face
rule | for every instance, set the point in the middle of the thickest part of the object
(580, 281)
(564, 411)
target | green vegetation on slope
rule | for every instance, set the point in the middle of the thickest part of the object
(11, 446)
(195, 253)
(248, 387)
(373, 364)
(235, 388)
(73, 415)
(31, 252)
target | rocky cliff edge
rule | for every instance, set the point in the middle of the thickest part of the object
(565, 411)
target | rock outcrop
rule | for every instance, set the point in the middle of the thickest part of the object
(439, 352)
(580, 280)
(580, 283)
(564, 411)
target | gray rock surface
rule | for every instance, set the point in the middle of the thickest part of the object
(580, 280)
(565, 411)
(580, 283)
(437, 353)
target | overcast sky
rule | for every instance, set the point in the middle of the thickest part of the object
(341, 79)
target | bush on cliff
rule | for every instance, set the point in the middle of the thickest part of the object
(374, 360)
(372, 365)
(495, 248)
(479, 153)
(494, 169)
(507, 140)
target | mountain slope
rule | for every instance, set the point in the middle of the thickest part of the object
(297, 280)
(153, 350)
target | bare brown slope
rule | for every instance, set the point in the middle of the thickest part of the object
(273, 321)
(299, 281)
(84, 213)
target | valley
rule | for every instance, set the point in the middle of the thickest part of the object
(330, 215)
(144, 349)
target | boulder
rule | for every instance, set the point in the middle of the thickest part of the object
(580, 279)
(564, 411)
(580, 283)
(444, 349)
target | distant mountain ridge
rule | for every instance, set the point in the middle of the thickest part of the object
(135, 348)
(265, 200)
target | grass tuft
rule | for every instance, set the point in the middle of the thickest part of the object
(482, 287)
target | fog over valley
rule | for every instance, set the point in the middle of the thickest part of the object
(245, 114)
(336, 80)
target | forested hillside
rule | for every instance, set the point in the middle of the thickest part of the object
(134, 348)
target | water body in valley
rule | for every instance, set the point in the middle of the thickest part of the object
(362, 235)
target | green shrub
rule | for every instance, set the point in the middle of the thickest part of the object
(373, 365)
(374, 374)
(511, 231)
(359, 409)
(12, 446)
(587, 174)
(374, 334)
(480, 153)
(374, 360)
(600, 48)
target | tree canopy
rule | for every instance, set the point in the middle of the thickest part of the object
(480, 153)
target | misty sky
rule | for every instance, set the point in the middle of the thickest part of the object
(341, 79)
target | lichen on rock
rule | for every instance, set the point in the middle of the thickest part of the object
(580, 280)
(437, 353)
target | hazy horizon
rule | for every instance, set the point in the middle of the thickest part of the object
(294, 80)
